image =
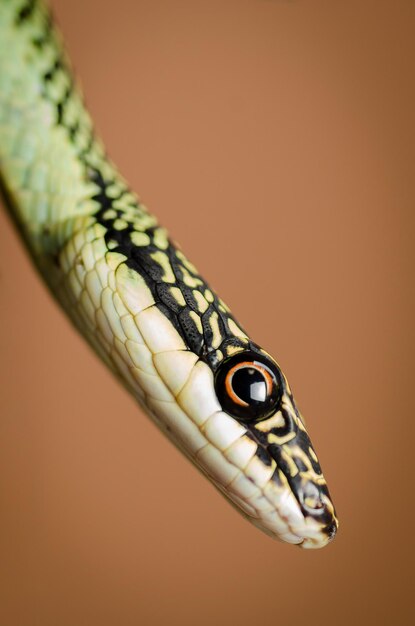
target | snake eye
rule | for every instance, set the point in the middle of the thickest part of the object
(248, 386)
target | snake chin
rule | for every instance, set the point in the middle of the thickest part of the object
(308, 536)
(325, 536)
(284, 520)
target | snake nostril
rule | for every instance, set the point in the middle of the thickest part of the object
(311, 498)
(313, 503)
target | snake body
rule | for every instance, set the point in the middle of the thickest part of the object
(140, 303)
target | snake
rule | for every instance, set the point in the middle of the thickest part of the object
(139, 302)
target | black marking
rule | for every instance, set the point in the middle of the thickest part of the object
(191, 332)
(48, 25)
(73, 130)
(231, 343)
(303, 441)
(59, 112)
(52, 71)
(276, 453)
(143, 259)
(207, 328)
(60, 106)
(276, 477)
(165, 296)
(25, 12)
(190, 299)
(212, 359)
(263, 455)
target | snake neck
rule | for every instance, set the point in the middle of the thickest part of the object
(66, 194)
(54, 168)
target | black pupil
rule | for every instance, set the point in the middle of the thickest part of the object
(249, 385)
(256, 386)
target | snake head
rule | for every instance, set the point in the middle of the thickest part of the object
(295, 505)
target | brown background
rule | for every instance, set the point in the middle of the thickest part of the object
(275, 140)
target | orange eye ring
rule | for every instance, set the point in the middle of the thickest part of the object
(255, 365)
(249, 385)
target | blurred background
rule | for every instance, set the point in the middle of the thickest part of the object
(276, 141)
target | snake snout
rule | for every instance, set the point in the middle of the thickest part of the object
(331, 529)
(317, 506)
